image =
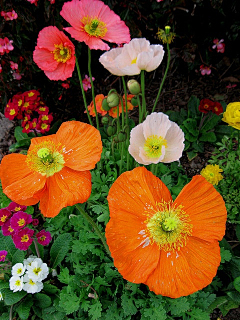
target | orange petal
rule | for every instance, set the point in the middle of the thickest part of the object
(19, 183)
(186, 271)
(134, 192)
(65, 188)
(133, 255)
(38, 140)
(83, 145)
(205, 207)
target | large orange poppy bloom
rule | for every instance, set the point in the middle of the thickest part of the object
(170, 246)
(55, 170)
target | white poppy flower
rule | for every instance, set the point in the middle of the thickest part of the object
(18, 269)
(157, 139)
(37, 271)
(133, 57)
(16, 283)
(31, 286)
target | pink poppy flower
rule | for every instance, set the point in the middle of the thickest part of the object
(92, 21)
(3, 254)
(19, 220)
(219, 45)
(23, 239)
(54, 54)
(205, 70)
(7, 230)
(14, 207)
(44, 237)
(33, 2)
(5, 214)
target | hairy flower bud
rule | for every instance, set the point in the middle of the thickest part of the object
(111, 130)
(122, 136)
(133, 86)
(105, 120)
(134, 101)
(113, 99)
(105, 105)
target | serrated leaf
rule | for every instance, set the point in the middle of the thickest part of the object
(199, 314)
(64, 276)
(69, 302)
(128, 305)
(95, 310)
(179, 306)
(59, 249)
(24, 308)
(225, 255)
(42, 300)
(154, 313)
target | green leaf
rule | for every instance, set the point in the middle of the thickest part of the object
(236, 284)
(235, 296)
(64, 276)
(191, 155)
(70, 302)
(191, 125)
(19, 135)
(4, 285)
(225, 255)
(193, 104)
(95, 310)
(128, 305)
(208, 137)
(7, 244)
(199, 314)
(210, 123)
(24, 308)
(60, 248)
(11, 297)
(179, 306)
(18, 256)
(50, 288)
(42, 300)
(238, 231)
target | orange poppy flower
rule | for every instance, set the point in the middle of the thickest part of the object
(170, 246)
(55, 170)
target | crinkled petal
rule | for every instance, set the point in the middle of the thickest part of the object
(175, 145)
(151, 59)
(44, 59)
(49, 36)
(137, 140)
(62, 72)
(108, 60)
(148, 160)
(156, 124)
(73, 12)
(65, 188)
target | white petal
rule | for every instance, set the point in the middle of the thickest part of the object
(175, 145)
(156, 124)
(136, 141)
(158, 54)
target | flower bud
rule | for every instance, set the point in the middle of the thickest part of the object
(105, 105)
(133, 86)
(111, 130)
(113, 99)
(105, 120)
(134, 101)
(122, 136)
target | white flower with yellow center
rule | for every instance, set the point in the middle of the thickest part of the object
(18, 269)
(29, 260)
(16, 283)
(157, 139)
(37, 271)
(31, 286)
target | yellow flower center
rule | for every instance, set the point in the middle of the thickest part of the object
(18, 283)
(42, 238)
(31, 282)
(10, 229)
(17, 209)
(61, 53)
(12, 112)
(153, 146)
(134, 61)
(37, 270)
(25, 238)
(169, 227)
(20, 102)
(46, 158)
(19, 270)
(21, 222)
(3, 218)
(94, 27)
(30, 94)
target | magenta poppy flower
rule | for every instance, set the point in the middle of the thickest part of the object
(7, 230)
(14, 207)
(19, 220)
(92, 21)
(3, 254)
(5, 214)
(23, 239)
(44, 237)
(54, 54)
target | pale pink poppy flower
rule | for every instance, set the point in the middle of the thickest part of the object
(93, 21)
(54, 54)
(133, 57)
(205, 70)
(219, 45)
(13, 65)
(156, 140)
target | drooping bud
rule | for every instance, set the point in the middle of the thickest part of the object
(111, 130)
(113, 99)
(105, 120)
(134, 101)
(122, 136)
(133, 86)
(105, 105)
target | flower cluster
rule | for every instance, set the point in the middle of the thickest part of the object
(14, 219)
(207, 105)
(112, 112)
(31, 109)
(5, 45)
(205, 70)
(10, 15)
(219, 45)
(87, 82)
(28, 276)
(232, 115)
(212, 173)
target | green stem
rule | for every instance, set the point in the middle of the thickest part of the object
(144, 111)
(238, 140)
(127, 126)
(11, 312)
(140, 111)
(95, 227)
(83, 92)
(164, 77)
(92, 87)
(36, 247)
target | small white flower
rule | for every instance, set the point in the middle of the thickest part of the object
(29, 260)
(37, 271)
(31, 286)
(18, 269)
(16, 283)
(1, 296)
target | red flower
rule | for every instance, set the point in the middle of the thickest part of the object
(5, 214)
(19, 220)
(23, 239)
(43, 237)
(15, 207)
(206, 105)
(7, 230)
(217, 108)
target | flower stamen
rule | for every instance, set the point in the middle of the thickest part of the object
(94, 27)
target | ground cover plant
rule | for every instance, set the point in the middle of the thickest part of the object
(99, 217)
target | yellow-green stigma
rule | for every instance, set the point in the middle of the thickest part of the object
(153, 146)
(61, 53)
(169, 227)
(94, 27)
(37, 270)
(46, 158)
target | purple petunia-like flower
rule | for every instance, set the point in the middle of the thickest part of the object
(5, 214)
(7, 230)
(23, 238)
(15, 207)
(3, 254)
(19, 220)
(44, 237)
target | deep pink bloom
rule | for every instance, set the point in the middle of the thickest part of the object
(7, 230)
(65, 85)
(0, 68)
(54, 54)
(87, 83)
(2, 46)
(5, 214)
(92, 21)
(17, 75)
(13, 65)
(205, 70)
(44, 237)
(8, 45)
(11, 15)
(3, 254)
(35, 222)
(52, 1)
(33, 2)
(15, 207)
(231, 86)
(23, 239)
(219, 45)
(19, 220)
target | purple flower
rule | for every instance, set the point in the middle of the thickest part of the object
(44, 237)
(14, 207)
(3, 254)
(19, 220)
(5, 214)
(35, 222)
(7, 230)
(23, 238)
